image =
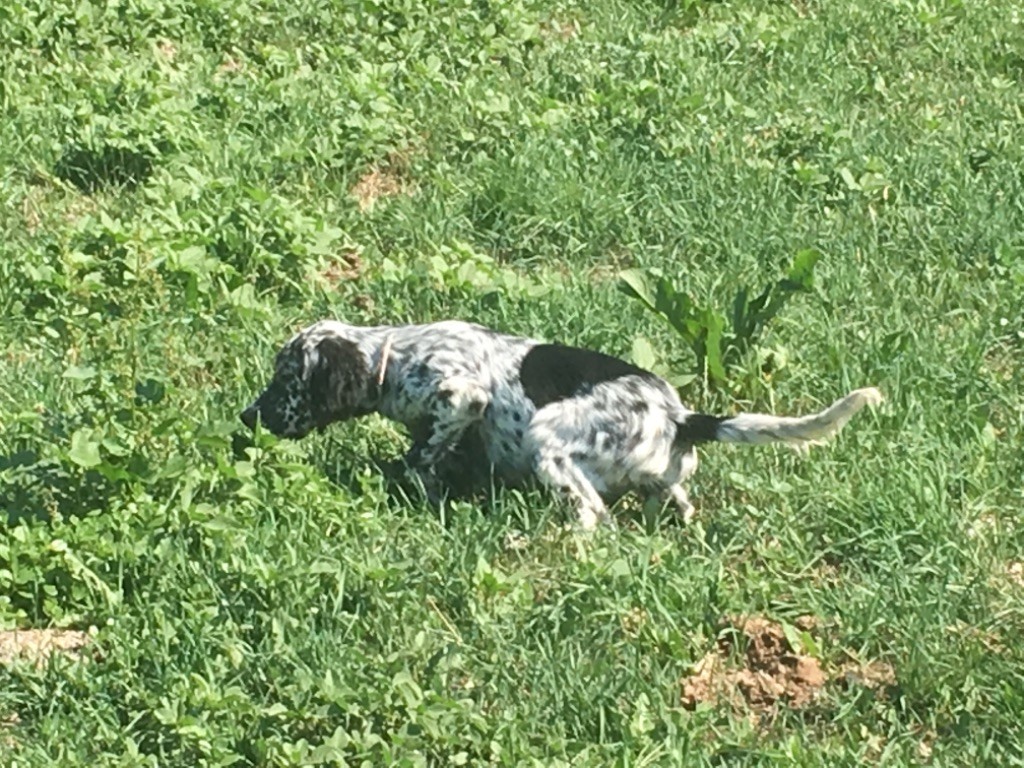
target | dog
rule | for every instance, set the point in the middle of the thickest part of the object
(589, 426)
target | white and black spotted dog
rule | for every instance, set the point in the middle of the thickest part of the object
(587, 425)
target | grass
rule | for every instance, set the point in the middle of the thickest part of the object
(186, 183)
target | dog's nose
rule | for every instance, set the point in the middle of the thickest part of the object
(248, 416)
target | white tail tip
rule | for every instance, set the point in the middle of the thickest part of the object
(868, 396)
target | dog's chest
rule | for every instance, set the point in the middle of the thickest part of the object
(409, 398)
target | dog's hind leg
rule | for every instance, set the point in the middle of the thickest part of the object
(563, 476)
(675, 495)
(668, 487)
(681, 499)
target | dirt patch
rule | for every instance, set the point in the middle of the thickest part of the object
(387, 179)
(986, 524)
(8, 723)
(364, 302)
(1007, 578)
(926, 745)
(30, 214)
(1015, 574)
(516, 541)
(563, 29)
(1001, 361)
(37, 645)
(988, 639)
(230, 65)
(875, 675)
(167, 49)
(343, 267)
(756, 669)
(79, 207)
(633, 620)
(768, 672)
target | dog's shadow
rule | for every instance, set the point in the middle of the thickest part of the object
(462, 478)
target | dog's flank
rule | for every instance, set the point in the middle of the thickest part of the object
(761, 428)
(586, 425)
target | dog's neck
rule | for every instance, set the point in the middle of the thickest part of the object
(377, 344)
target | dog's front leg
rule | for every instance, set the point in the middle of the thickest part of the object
(459, 404)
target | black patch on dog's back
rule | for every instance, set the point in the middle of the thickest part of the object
(552, 372)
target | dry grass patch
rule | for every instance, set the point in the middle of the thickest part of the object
(38, 645)
(877, 676)
(387, 179)
(1015, 573)
(8, 722)
(342, 267)
(562, 29)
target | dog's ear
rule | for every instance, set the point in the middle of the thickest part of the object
(339, 380)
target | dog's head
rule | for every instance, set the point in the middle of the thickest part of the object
(320, 377)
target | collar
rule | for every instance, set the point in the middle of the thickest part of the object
(385, 355)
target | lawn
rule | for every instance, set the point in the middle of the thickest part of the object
(184, 184)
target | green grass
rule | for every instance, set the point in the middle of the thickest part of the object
(177, 184)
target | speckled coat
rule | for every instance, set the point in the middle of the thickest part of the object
(589, 426)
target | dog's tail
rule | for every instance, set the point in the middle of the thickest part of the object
(759, 428)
